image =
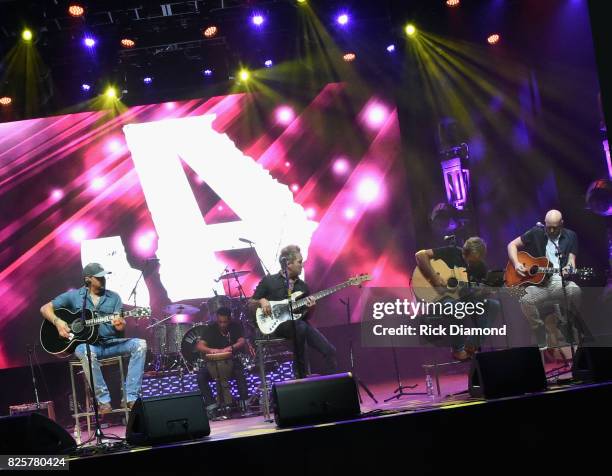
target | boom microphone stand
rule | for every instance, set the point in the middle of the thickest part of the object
(347, 304)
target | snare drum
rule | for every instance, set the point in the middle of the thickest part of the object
(221, 366)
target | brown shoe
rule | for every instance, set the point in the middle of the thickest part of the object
(461, 355)
(104, 408)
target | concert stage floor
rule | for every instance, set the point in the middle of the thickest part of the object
(552, 429)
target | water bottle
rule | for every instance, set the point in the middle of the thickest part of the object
(429, 386)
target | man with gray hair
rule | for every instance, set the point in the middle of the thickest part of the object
(560, 246)
(274, 288)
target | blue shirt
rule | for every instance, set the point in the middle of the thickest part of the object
(109, 303)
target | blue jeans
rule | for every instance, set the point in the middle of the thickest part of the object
(492, 309)
(135, 348)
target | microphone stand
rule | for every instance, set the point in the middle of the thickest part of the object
(29, 347)
(347, 304)
(296, 348)
(263, 265)
(133, 292)
(568, 314)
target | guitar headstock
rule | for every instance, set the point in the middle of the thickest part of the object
(138, 312)
(359, 279)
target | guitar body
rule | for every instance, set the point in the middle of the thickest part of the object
(55, 344)
(423, 289)
(534, 274)
(280, 314)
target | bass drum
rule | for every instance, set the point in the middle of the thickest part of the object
(188, 345)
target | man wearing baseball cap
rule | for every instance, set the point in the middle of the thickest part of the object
(111, 341)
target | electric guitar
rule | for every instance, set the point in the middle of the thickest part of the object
(538, 269)
(457, 283)
(80, 332)
(280, 309)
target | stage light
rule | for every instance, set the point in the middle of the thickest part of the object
(78, 234)
(301, 1)
(599, 197)
(207, 72)
(147, 80)
(128, 43)
(98, 183)
(110, 92)
(453, 3)
(85, 87)
(57, 194)
(342, 19)
(89, 42)
(244, 75)
(5, 100)
(295, 187)
(257, 20)
(284, 115)
(349, 213)
(493, 39)
(76, 10)
(349, 57)
(368, 190)
(27, 35)
(391, 48)
(341, 166)
(268, 63)
(376, 115)
(311, 212)
(211, 31)
(410, 29)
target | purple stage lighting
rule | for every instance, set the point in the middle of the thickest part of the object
(207, 72)
(268, 63)
(342, 19)
(148, 80)
(85, 87)
(391, 48)
(89, 42)
(257, 20)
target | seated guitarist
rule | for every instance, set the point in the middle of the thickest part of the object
(274, 288)
(553, 241)
(471, 257)
(110, 342)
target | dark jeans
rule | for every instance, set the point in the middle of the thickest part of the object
(307, 334)
(204, 378)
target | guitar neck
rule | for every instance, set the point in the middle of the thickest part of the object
(102, 319)
(326, 292)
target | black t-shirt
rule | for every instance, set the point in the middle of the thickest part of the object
(273, 287)
(453, 258)
(535, 241)
(215, 340)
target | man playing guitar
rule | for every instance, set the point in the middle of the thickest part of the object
(111, 341)
(560, 246)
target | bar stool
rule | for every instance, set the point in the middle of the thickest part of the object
(76, 368)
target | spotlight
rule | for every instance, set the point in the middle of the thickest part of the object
(85, 87)
(110, 92)
(89, 42)
(5, 100)
(268, 63)
(410, 29)
(147, 80)
(349, 57)
(391, 48)
(453, 3)
(301, 1)
(493, 39)
(27, 35)
(207, 72)
(257, 20)
(599, 197)
(210, 31)
(244, 75)
(76, 10)
(342, 19)
(128, 43)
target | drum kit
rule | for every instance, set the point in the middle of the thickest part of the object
(172, 339)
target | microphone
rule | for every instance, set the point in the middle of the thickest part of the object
(540, 225)
(449, 237)
(244, 240)
(151, 260)
(283, 259)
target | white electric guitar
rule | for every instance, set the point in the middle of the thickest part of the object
(280, 309)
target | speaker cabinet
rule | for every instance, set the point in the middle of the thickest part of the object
(593, 364)
(503, 373)
(33, 434)
(315, 400)
(167, 419)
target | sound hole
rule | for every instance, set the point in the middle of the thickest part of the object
(77, 326)
(452, 282)
(533, 270)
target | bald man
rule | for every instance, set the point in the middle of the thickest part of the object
(560, 246)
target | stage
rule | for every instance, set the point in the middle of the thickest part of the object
(416, 433)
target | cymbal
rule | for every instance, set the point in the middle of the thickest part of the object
(178, 308)
(233, 274)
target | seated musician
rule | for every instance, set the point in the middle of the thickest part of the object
(224, 336)
(471, 257)
(560, 246)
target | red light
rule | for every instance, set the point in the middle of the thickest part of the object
(493, 39)
(211, 31)
(127, 43)
(76, 10)
(5, 100)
